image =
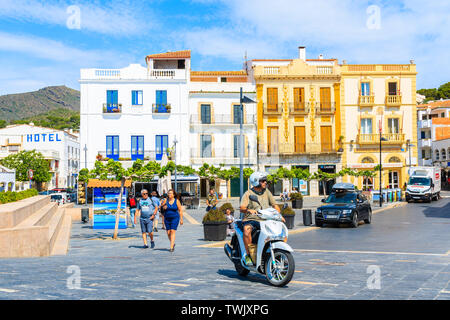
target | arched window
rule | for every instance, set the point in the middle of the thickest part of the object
(367, 160)
(394, 160)
(443, 154)
(437, 154)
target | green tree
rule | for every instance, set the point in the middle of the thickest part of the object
(25, 160)
(3, 123)
(444, 91)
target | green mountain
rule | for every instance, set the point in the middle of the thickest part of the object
(45, 101)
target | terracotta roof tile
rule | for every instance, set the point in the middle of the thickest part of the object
(219, 73)
(183, 54)
(435, 104)
(96, 183)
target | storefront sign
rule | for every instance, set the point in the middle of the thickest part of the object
(105, 206)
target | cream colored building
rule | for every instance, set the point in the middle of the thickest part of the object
(374, 97)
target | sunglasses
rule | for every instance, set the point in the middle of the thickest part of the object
(262, 181)
(145, 193)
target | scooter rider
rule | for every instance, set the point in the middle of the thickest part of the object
(258, 180)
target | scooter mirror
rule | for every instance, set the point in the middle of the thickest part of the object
(254, 199)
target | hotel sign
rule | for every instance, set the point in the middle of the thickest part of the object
(43, 137)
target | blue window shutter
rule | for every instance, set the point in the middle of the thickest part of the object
(164, 97)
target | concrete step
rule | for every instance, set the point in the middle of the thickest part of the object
(61, 245)
(17, 212)
(54, 226)
(41, 217)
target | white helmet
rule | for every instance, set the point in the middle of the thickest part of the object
(257, 176)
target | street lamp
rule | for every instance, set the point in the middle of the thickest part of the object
(85, 156)
(409, 145)
(242, 100)
(175, 159)
(381, 186)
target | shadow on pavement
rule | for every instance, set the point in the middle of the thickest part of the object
(438, 212)
(252, 277)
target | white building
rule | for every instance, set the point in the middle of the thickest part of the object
(60, 148)
(214, 123)
(433, 132)
(7, 179)
(136, 112)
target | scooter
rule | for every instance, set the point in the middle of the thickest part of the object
(273, 255)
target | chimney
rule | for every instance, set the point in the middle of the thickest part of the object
(302, 53)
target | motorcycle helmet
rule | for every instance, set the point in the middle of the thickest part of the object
(255, 177)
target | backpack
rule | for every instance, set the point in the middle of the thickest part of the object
(132, 202)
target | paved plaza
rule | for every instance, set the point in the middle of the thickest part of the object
(407, 246)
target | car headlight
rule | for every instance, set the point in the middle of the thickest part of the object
(346, 212)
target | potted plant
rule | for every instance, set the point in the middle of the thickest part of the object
(223, 208)
(99, 157)
(289, 215)
(297, 200)
(215, 225)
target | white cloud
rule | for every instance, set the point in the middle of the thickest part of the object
(117, 18)
(410, 29)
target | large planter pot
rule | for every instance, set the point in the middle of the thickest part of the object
(289, 221)
(297, 204)
(215, 231)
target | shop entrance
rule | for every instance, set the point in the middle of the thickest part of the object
(300, 185)
(325, 186)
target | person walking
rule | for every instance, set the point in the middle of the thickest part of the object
(162, 209)
(172, 217)
(132, 204)
(211, 200)
(155, 199)
(147, 210)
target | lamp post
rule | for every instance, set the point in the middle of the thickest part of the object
(381, 186)
(242, 100)
(409, 145)
(85, 156)
(175, 159)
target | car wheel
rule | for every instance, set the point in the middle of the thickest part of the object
(355, 220)
(319, 224)
(369, 218)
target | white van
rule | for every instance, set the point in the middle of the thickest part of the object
(60, 197)
(424, 184)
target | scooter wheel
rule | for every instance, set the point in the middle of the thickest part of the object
(279, 273)
(241, 270)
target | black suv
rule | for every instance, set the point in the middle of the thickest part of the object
(344, 205)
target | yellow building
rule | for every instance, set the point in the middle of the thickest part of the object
(374, 97)
(298, 107)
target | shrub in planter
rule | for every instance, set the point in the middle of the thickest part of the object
(223, 208)
(215, 225)
(289, 216)
(297, 200)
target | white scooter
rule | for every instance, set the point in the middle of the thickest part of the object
(273, 257)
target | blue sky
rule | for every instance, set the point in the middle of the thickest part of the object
(39, 45)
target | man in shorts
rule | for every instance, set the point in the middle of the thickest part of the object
(147, 210)
(249, 208)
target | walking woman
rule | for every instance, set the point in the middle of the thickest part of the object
(172, 216)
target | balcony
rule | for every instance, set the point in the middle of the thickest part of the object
(300, 108)
(425, 143)
(126, 157)
(223, 119)
(292, 149)
(325, 108)
(393, 100)
(112, 108)
(427, 162)
(366, 101)
(158, 108)
(425, 124)
(272, 109)
(216, 156)
(374, 138)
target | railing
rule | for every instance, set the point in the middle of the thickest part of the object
(112, 108)
(272, 108)
(220, 155)
(299, 107)
(324, 70)
(161, 108)
(223, 119)
(140, 73)
(325, 108)
(127, 155)
(295, 148)
(107, 73)
(366, 100)
(425, 143)
(374, 138)
(271, 70)
(424, 124)
(393, 100)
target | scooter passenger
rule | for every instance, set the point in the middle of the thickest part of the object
(258, 181)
